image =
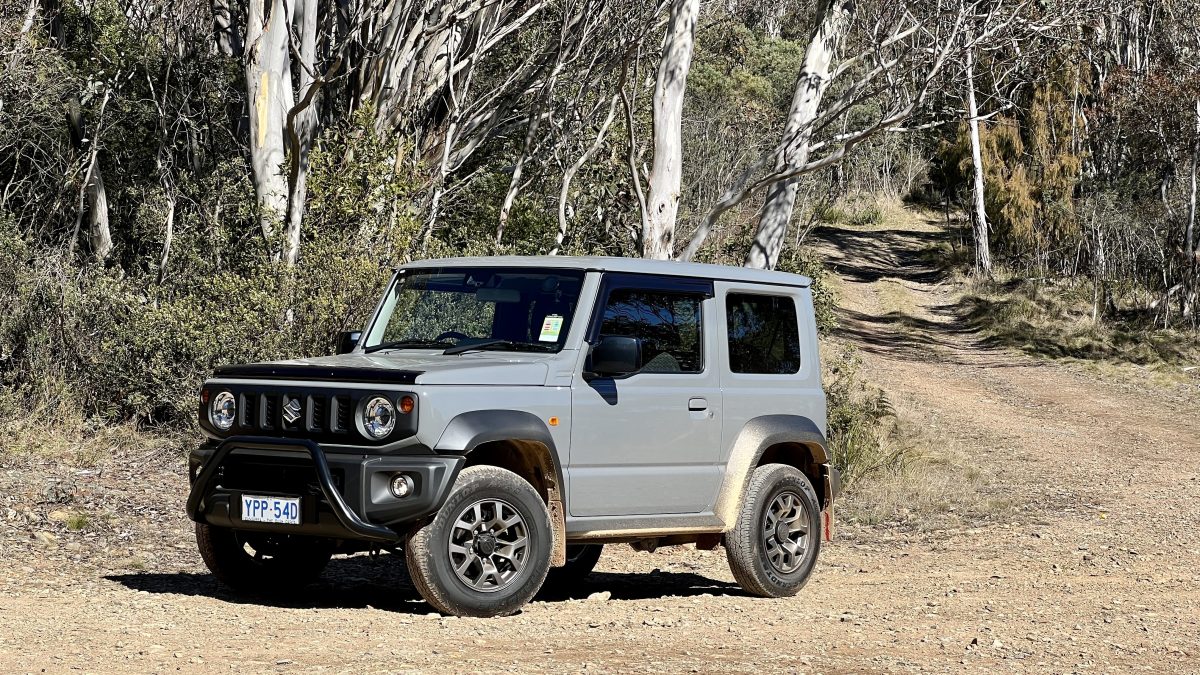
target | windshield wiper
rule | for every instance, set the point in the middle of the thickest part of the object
(407, 344)
(493, 344)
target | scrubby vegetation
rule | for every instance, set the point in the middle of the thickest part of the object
(1057, 319)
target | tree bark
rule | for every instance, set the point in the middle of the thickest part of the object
(302, 129)
(662, 198)
(92, 195)
(832, 21)
(225, 29)
(1190, 247)
(269, 91)
(99, 236)
(983, 255)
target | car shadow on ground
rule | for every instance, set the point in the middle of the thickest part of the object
(382, 582)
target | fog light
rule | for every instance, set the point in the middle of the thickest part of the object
(401, 486)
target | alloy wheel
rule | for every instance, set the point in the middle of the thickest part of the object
(489, 545)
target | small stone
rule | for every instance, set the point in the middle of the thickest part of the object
(602, 596)
(58, 516)
(45, 538)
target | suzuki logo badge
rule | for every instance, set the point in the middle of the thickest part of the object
(291, 411)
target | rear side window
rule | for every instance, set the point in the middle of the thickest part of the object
(764, 336)
(667, 323)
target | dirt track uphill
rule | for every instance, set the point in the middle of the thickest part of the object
(1086, 560)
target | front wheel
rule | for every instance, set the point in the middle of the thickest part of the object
(773, 546)
(487, 550)
(256, 562)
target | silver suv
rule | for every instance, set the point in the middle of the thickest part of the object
(501, 419)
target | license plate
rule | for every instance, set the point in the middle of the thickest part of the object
(284, 510)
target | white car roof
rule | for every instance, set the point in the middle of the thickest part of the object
(626, 265)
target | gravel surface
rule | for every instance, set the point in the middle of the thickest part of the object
(1089, 564)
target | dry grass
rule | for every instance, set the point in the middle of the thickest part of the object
(56, 431)
(938, 488)
(1053, 319)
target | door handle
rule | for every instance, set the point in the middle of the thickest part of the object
(696, 404)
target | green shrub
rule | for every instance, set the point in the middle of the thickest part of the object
(869, 216)
(860, 421)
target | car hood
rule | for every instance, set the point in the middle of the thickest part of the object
(407, 367)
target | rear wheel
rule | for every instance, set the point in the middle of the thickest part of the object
(581, 560)
(257, 562)
(773, 547)
(487, 550)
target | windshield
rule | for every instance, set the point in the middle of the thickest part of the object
(514, 308)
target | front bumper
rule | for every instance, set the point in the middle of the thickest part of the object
(342, 496)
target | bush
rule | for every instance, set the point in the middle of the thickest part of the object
(860, 421)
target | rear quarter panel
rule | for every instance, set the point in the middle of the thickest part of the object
(747, 396)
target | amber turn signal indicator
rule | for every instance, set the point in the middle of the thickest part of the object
(204, 396)
(407, 403)
(553, 421)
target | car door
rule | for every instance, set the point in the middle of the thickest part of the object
(648, 442)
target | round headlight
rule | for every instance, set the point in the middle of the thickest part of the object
(223, 411)
(378, 417)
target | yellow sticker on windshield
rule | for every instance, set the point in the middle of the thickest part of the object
(551, 327)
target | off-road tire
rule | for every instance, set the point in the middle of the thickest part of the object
(284, 564)
(581, 560)
(746, 543)
(428, 549)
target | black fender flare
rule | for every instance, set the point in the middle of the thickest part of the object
(470, 430)
(759, 434)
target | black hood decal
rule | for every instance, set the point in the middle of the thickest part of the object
(296, 371)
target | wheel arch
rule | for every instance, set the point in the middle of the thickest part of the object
(794, 440)
(519, 442)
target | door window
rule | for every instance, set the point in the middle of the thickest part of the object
(667, 323)
(764, 336)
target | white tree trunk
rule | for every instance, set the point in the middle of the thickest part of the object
(99, 236)
(305, 126)
(662, 199)
(983, 255)
(225, 30)
(269, 90)
(30, 16)
(832, 21)
(1190, 247)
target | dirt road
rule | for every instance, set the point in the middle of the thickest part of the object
(1081, 551)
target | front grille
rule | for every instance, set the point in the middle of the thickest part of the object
(325, 415)
(269, 412)
(318, 414)
(341, 416)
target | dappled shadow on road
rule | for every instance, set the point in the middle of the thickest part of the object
(866, 256)
(382, 582)
(935, 329)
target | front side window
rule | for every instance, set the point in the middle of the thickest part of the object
(667, 323)
(764, 336)
(518, 309)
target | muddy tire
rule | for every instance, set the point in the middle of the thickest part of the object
(774, 544)
(262, 564)
(487, 551)
(581, 560)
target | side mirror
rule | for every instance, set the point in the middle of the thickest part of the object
(347, 341)
(615, 355)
